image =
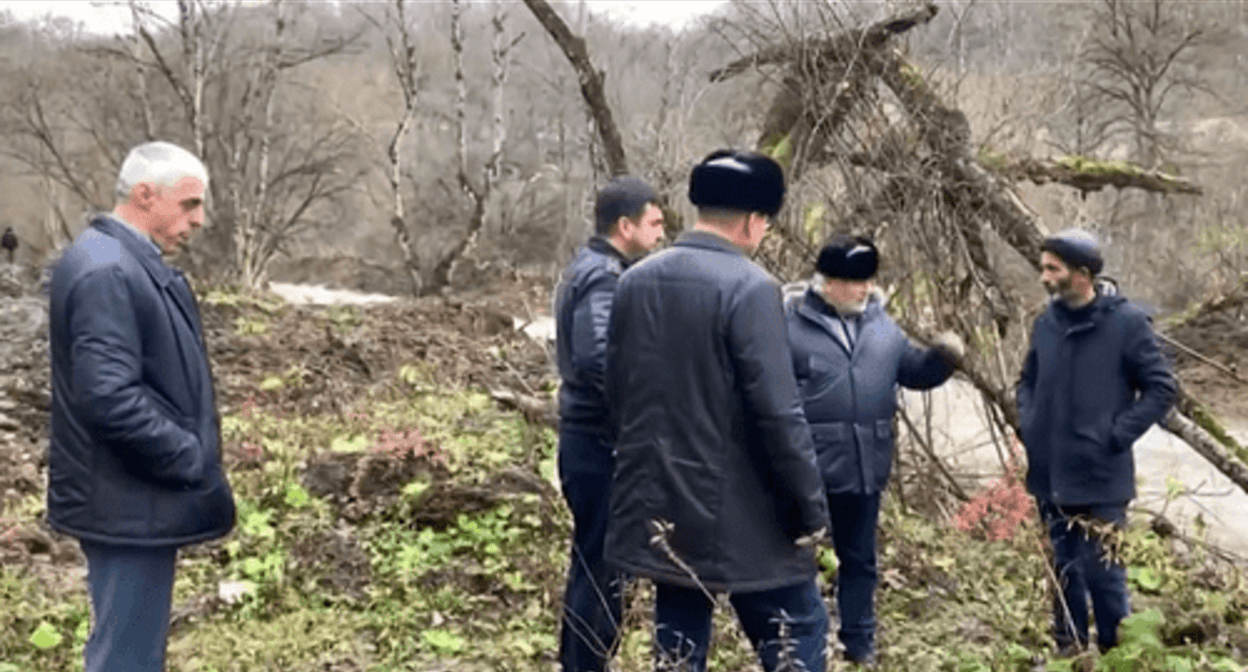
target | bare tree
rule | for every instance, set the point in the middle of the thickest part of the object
(229, 83)
(478, 196)
(591, 81)
(1135, 67)
(397, 28)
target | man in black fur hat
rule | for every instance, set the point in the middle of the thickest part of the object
(715, 487)
(849, 357)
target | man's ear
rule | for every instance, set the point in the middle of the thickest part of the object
(143, 194)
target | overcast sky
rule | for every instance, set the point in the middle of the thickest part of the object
(108, 17)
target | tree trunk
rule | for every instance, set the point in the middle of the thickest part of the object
(591, 80)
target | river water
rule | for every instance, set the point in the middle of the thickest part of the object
(962, 437)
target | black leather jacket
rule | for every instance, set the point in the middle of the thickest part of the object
(711, 433)
(582, 308)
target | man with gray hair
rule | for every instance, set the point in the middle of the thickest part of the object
(134, 463)
(1094, 380)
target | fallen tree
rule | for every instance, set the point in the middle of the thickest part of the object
(918, 180)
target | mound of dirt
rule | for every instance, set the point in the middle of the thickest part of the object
(1218, 332)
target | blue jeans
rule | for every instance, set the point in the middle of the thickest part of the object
(131, 592)
(682, 619)
(1083, 571)
(854, 521)
(592, 601)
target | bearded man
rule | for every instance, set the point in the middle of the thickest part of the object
(1094, 380)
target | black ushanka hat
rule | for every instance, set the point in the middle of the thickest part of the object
(737, 180)
(848, 258)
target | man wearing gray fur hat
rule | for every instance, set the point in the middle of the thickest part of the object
(849, 357)
(1093, 381)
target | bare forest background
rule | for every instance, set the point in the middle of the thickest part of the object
(351, 132)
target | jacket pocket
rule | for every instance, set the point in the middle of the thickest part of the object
(167, 409)
(821, 375)
(836, 456)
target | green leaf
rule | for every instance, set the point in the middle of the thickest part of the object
(1219, 665)
(271, 383)
(46, 636)
(296, 496)
(1178, 664)
(1174, 488)
(443, 642)
(350, 443)
(1146, 578)
(827, 560)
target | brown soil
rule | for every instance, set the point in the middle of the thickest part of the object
(339, 355)
(1219, 332)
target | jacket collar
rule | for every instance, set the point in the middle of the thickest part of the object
(815, 310)
(707, 241)
(813, 304)
(600, 244)
(148, 255)
(1102, 304)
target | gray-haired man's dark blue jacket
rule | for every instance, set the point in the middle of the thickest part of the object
(135, 455)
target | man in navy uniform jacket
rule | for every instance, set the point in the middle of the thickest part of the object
(1094, 380)
(134, 464)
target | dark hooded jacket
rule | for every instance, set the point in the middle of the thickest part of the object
(1093, 381)
(711, 434)
(849, 397)
(135, 454)
(582, 309)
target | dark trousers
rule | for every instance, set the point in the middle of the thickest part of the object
(854, 521)
(683, 616)
(131, 592)
(592, 601)
(1083, 570)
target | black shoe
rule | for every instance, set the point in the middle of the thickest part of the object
(866, 662)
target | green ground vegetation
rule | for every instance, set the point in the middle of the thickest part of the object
(308, 583)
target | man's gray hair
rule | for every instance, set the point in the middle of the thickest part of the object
(160, 163)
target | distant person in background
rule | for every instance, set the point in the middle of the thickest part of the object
(849, 357)
(9, 242)
(715, 487)
(628, 224)
(1094, 380)
(134, 464)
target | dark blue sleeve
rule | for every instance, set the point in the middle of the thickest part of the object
(759, 347)
(1150, 376)
(123, 414)
(922, 369)
(1026, 381)
(590, 318)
